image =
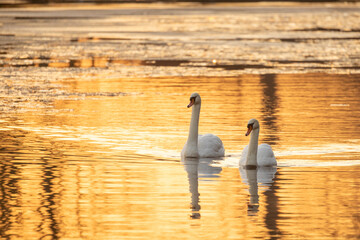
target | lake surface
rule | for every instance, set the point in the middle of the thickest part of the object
(93, 119)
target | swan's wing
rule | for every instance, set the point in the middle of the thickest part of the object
(210, 145)
(265, 156)
(243, 155)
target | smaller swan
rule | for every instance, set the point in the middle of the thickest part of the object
(254, 155)
(204, 146)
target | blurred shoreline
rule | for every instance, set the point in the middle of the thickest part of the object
(173, 4)
(182, 39)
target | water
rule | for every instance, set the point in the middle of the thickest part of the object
(92, 127)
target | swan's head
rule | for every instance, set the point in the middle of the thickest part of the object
(252, 124)
(194, 99)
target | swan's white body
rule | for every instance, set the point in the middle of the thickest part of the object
(253, 154)
(265, 156)
(209, 145)
(204, 146)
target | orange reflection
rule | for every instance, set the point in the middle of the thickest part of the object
(101, 164)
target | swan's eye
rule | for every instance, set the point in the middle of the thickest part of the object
(250, 125)
(192, 98)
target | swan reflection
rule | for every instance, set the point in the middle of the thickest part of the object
(262, 177)
(198, 168)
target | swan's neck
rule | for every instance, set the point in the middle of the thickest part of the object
(191, 149)
(251, 159)
(194, 126)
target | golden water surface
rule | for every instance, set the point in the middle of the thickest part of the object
(93, 118)
(107, 166)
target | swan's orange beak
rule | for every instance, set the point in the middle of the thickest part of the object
(192, 101)
(250, 128)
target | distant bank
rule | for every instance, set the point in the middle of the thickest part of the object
(13, 3)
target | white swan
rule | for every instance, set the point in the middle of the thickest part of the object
(254, 155)
(204, 146)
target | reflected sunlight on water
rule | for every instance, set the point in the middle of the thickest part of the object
(108, 166)
(93, 118)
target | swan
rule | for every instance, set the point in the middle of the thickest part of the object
(254, 155)
(204, 146)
